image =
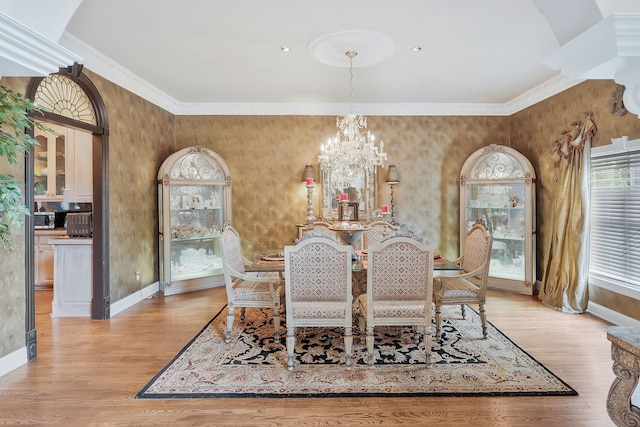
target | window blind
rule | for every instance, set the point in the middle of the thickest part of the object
(615, 218)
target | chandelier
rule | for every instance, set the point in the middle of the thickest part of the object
(352, 149)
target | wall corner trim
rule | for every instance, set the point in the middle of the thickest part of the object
(13, 361)
(133, 299)
(608, 50)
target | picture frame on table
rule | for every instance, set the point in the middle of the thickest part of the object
(348, 211)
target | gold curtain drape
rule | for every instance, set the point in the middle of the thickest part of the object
(565, 280)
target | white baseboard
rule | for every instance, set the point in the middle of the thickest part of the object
(131, 300)
(13, 361)
(611, 316)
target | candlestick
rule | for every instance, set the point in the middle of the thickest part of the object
(392, 179)
(310, 217)
(393, 208)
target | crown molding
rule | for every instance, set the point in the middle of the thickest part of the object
(547, 89)
(608, 50)
(114, 72)
(300, 109)
(24, 52)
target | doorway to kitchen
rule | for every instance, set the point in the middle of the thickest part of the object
(70, 100)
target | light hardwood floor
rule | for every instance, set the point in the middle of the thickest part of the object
(88, 372)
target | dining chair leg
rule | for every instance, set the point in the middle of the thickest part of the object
(438, 320)
(483, 319)
(242, 313)
(464, 313)
(276, 322)
(229, 326)
(427, 341)
(348, 346)
(361, 326)
(370, 354)
(291, 344)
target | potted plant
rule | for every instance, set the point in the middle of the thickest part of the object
(15, 118)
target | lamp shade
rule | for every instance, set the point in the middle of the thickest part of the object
(393, 177)
(309, 172)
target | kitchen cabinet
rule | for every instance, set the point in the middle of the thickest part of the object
(79, 166)
(194, 202)
(497, 188)
(43, 257)
(50, 166)
(72, 290)
(63, 165)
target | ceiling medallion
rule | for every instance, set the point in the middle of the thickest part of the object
(372, 46)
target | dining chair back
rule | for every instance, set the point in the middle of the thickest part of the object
(399, 290)
(243, 291)
(318, 290)
(378, 231)
(316, 227)
(470, 285)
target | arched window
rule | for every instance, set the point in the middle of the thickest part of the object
(60, 95)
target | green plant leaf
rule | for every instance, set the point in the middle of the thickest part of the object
(16, 116)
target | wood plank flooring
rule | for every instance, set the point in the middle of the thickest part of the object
(88, 372)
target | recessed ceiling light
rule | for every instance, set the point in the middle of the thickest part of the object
(417, 49)
(284, 49)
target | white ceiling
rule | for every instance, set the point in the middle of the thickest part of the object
(207, 54)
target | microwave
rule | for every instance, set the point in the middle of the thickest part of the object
(44, 220)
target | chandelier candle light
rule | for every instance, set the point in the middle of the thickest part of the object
(350, 148)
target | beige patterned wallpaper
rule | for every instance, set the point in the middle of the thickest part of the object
(12, 265)
(266, 156)
(140, 138)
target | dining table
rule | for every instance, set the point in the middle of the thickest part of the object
(273, 262)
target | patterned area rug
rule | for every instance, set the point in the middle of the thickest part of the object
(253, 365)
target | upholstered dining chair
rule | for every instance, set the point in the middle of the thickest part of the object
(244, 290)
(399, 290)
(317, 273)
(378, 231)
(317, 227)
(470, 286)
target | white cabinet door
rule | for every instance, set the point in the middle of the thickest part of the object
(63, 165)
(45, 257)
(50, 164)
(80, 180)
(43, 262)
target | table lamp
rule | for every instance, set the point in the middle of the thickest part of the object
(392, 178)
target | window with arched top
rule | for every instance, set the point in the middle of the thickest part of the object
(61, 95)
